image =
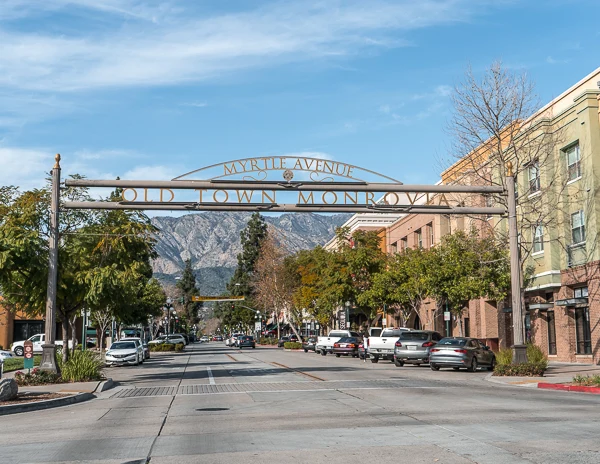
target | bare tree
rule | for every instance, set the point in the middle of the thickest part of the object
(272, 284)
(103, 318)
(497, 120)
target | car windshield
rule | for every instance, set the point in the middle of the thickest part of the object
(419, 336)
(393, 332)
(347, 340)
(453, 341)
(338, 334)
(123, 346)
(175, 337)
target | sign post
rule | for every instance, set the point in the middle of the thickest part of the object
(28, 355)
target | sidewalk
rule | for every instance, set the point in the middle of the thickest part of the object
(558, 372)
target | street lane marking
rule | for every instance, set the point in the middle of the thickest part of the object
(298, 372)
(211, 379)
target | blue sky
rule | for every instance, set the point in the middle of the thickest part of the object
(153, 89)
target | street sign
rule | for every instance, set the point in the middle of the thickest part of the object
(446, 315)
(257, 326)
(28, 354)
(217, 298)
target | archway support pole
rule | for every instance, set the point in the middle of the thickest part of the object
(519, 347)
(49, 348)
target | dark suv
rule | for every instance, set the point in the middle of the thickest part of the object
(413, 347)
(246, 341)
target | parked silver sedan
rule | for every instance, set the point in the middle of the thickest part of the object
(457, 352)
(414, 347)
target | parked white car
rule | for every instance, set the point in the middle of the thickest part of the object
(125, 352)
(204, 339)
(144, 345)
(382, 347)
(325, 344)
(37, 340)
(4, 355)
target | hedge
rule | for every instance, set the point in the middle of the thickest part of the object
(292, 345)
(528, 369)
(166, 347)
(268, 341)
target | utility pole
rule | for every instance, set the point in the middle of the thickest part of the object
(49, 363)
(519, 347)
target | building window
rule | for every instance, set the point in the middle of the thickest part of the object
(578, 227)
(534, 176)
(582, 331)
(394, 247)
(419, 238)
(538, 239)
(573, 162)
(404, 244)
(431, 237)
(551, 333)
(580, 292)
(467, 327)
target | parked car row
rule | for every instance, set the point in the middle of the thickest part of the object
(405, 346)
(239, 340)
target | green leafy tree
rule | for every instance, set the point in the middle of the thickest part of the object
(466, 267)
(104, 258)
(241, 283)
(187, 287)
(402, 284)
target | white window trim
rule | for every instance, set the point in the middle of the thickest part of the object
(537, 253)
(574, 180)
(534, 194)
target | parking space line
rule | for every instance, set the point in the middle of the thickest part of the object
(211, 379)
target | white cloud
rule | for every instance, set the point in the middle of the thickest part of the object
(154, 172)
(179, 46)
(195, 104)
(25, 168)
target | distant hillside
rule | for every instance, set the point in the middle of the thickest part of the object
(212, 241)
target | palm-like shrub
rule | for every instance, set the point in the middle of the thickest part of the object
(83, 366)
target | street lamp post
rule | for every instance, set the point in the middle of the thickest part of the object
(519, 347)
(49, 363)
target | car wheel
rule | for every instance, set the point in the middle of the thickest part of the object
(337, 355)
(323, 353)
(473, 366)
(399, 363)
(492, 365)
(434, 367)
(19, 351)
(305, 350)
(456, 368)
(253, 347)
(375, 360)
(241, 347)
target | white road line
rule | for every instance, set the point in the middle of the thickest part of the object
(211, 379)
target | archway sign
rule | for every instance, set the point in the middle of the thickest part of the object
(281, 184)
(285, 184)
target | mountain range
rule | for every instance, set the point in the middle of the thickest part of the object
(212, 241)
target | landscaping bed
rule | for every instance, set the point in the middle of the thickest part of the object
(31, 397)
(535, 367)
(15, 364)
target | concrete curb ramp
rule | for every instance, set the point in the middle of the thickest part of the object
(56, 402)
(37, 405)
(573, 388)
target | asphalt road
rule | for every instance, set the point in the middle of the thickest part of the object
(213, 404)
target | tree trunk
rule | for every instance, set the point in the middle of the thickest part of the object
(73, 333)
(65, 339)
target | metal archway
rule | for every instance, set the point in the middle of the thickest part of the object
(241, 179)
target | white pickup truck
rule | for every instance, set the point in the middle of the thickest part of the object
(325, 344)
(383, 346)
(37, 340)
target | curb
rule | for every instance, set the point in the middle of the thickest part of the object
(572, 388)
(46, 404)
(104, 385)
